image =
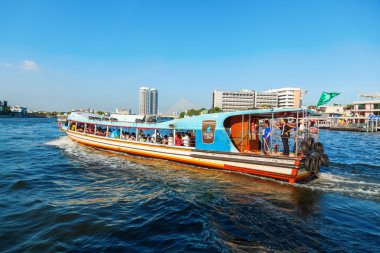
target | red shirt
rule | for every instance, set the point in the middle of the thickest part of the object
(178, 141)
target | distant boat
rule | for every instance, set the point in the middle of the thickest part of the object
(227, 141)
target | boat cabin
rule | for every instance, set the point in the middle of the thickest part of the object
(237, 132)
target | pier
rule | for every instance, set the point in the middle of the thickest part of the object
(352, 124)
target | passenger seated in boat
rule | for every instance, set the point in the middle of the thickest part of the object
(186, 140)
(148, 138)
(178, 139)
(142, 138)
(156, 137)
(132, 137)
(90, 130)
(72, 127)
(165, 140)
(101, 132)
(171, 140)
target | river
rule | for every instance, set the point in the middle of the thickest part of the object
(57, 195)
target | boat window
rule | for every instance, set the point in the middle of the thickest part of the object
(90, 128)
(101, 130)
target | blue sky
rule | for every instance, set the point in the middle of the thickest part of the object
(60, 55)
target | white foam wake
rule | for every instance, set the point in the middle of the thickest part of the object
(328, 182)
(62, 141)
(328, 177)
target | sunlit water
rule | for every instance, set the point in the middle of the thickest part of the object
(57, 195)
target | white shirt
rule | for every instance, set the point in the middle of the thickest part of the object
(171, 141)
(186, 141)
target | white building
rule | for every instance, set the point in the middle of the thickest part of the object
(288, 97)
(332, 110)
(144, 107)
(123, 111)
(230, 101)
(266, 99)
(366, 108)
(18, 110)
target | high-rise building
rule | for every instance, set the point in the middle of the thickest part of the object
(230, 101)
(148, 101)
(144, 106)
(153, 101)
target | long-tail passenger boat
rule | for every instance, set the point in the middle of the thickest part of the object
(228, 141)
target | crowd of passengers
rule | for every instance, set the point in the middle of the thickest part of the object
(180, 139)
(185, 139)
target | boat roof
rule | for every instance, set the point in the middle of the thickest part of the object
(194, 122)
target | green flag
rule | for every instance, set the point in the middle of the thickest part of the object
(326, 97)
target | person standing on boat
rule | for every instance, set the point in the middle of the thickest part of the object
(266, 137)
(254, 129)
(285, 133)
(299, 135)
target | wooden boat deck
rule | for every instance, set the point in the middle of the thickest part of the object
(276, 154)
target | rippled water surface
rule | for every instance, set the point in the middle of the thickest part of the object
(57, 195)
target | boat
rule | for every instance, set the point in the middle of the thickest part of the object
(229, 141)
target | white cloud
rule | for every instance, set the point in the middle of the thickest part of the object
(5, 64)
(30, 65)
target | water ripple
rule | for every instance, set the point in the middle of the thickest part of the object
(57, 195)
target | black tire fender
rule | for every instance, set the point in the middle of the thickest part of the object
(325, 160)
(310, 143)
(318, 147)
(307, 163)
(304, 148)
(312, 163)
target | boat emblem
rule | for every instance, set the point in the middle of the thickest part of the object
(208, 131)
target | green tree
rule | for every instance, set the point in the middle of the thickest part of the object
(215, 110)
(182, 115)
(100, 113)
